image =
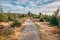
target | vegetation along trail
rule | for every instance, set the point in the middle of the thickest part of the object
(30, 32)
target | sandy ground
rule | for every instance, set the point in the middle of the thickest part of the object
(45, 32)
(5, 24)
(30, 31)
(17, 30)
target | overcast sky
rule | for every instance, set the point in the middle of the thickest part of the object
(34, 6)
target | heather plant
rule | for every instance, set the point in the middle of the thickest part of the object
(16, 23)
(22, 16)
(10, 17)
(45, 17)
(3, 17)
(41, 20)
(6, 32)
(16, 15)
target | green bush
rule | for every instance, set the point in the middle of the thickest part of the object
(59, 22)
(3, 17)
(16, 23)
(6, 32)
(46, 18)
(10, 17)
(54, 21)
(22, 16)
(41, 19)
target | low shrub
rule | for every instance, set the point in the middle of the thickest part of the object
(6, 32)
(58, 24)
(41, 19)
(3, 17)
(54, 21)
(11, 17)
(16, 23)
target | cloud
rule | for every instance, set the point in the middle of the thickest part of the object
(50, 8)
(34, 6)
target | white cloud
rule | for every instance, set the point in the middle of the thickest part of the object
(50, 8)
(31, 5)
(54, 4)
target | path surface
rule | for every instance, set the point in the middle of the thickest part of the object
(30, 32)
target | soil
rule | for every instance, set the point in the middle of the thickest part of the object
(45, 31)
(17, 30)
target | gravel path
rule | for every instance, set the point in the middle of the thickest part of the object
(30, 32)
